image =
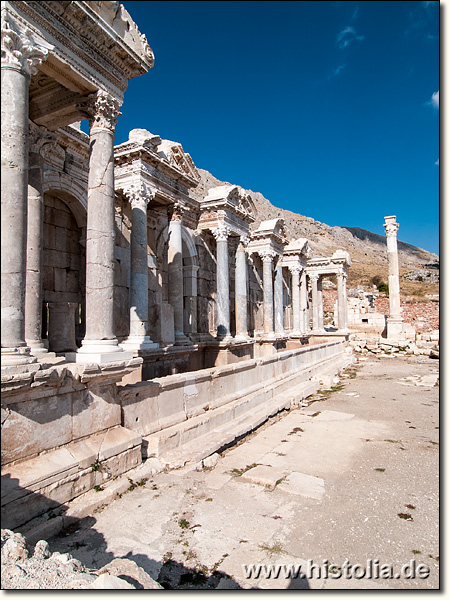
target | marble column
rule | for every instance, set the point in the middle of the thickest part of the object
(314, 278)
(38, 137)
(296, 311)
(241, 290)
(304, 312)
(221, 234)
(267, 258)
(176, 274)
(100, 343)
(278, 298)
(395, 320)
(320, 302)
(342, 300)
(20, 54)
(139, 196)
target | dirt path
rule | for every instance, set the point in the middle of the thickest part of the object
(353, 477)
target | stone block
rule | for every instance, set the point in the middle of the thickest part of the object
(96, 409)
(303, 485)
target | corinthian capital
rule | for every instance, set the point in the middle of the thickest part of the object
(176, 211)
(267, 255)
(138, 193)
(39, 136)
(19, 49)
(391, 226)
(103, 110)
(313, 276)
(221, 233)
(295, 270)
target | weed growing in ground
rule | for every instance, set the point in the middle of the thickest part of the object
(381, 470)
(239, 472)
(98, 488)
(276, 548)
(96, 466)
(183, 524)
(405, 516)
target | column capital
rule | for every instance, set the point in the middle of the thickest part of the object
(295, 269)
(244, 240)
(103, 110)
(39, 136)
(343, 275)
(313, 276)
(221, 232)
(138, 193)
(176, 211)
(391, 226)
(20, 51)
(267, 255)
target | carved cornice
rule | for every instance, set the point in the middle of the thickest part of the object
(103, 110)
(20, 50)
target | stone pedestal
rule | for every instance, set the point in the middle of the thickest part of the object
(100, 343)
(241, 291)
(61, 326)
(138, 339)
(267, 258)
(221, 234)
(176, 276)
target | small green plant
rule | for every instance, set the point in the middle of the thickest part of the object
(183, 524)
(381, 470)
(410, 506)
(276, 548)
(316, 414)
(405, 516)
(132, 485)
(96, 466)
(416, 551)
(98, 488)
(142, 482)
(239, 472)
(208, 500)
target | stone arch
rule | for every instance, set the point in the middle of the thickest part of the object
(71, 192)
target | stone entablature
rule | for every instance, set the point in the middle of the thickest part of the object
(228, 205)
(269, 238)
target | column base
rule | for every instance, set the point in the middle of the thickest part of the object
(39, 349)
(18, 360)
(241, 337)
(270, 336)
(395, 328)
(182, 340)
(99, 352)
(136, 343)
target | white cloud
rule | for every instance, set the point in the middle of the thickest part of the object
(435, 100)
(347, 36)
(337, 70)
(437, 162)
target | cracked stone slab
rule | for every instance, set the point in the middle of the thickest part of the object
(264, 475)
(333, 415)
(303, 485)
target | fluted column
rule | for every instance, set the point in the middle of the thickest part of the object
(176, 275)
(20, 54)
(320, 302)
(221, 234)
(314, 278)
(304, 312)
(38, 137)
(296, 311)
(342, 300)
(139, 196)
(100, 343)
(241, 290)
(267, 258)
(278, 299)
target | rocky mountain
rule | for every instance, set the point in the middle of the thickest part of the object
(367, 249)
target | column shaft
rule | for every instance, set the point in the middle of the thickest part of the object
(342, 301)
(176, 276)
(296, 314)
(304, 320)
(14, 128)
(315, 301)
(223, 284)
(320, 302)
(268, 295)
(241, 293)
(279, 308)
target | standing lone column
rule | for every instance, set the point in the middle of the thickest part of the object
(304, 320)
(241, 290)
(139, 197)
(33, 297)
(279, 308)
(19, 55)
(267, 258)
(342, 300)
(100, 344)
(395, 321)
(221, 234)
(314, 278)
(176, 275)
(296, 315)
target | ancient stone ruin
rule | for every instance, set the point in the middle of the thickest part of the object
(142, 315)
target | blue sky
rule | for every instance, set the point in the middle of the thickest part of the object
(329, 109)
